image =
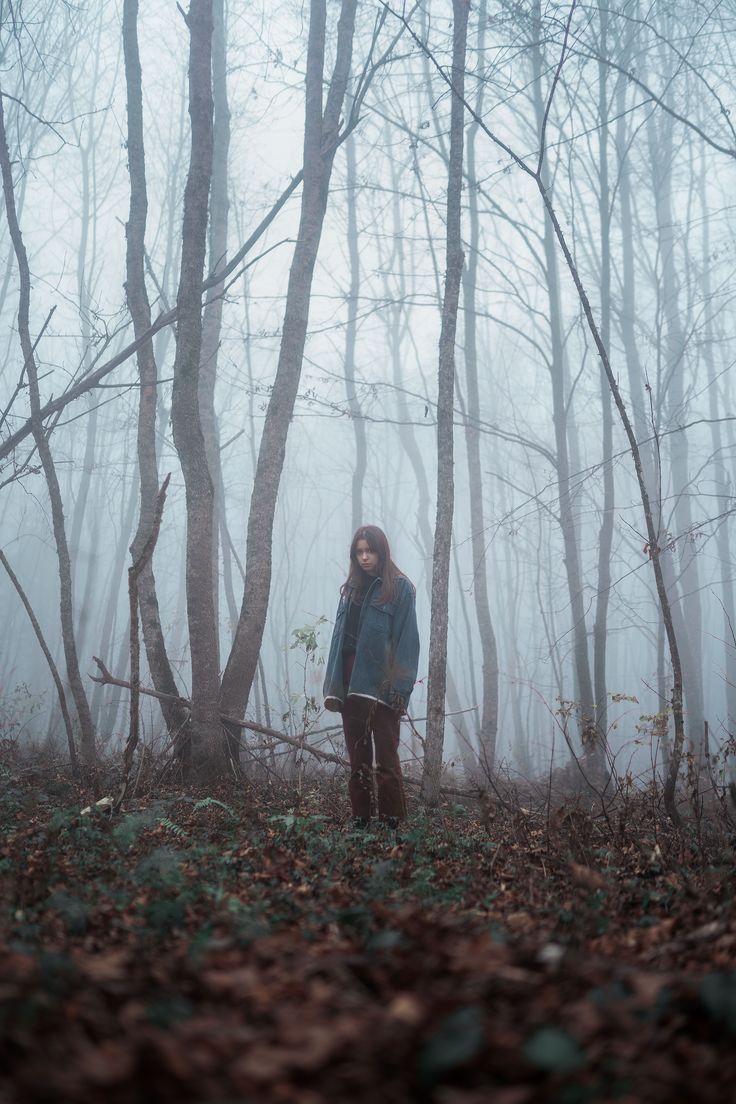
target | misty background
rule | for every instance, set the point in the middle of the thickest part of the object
(640, 159)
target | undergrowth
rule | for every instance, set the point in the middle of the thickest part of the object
(551, 932)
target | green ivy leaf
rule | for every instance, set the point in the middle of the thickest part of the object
(554, 1050)
(456, 1042)
(718, 994)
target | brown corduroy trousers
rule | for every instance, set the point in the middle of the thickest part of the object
(367, 724)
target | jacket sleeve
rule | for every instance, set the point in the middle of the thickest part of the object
(405, 652)
(333, 689)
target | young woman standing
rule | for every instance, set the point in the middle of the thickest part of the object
(371, 670)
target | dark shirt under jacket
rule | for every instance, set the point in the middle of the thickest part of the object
(351, 625)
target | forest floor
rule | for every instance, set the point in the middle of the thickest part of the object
(246, 944)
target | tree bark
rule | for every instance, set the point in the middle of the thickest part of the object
(445, 411)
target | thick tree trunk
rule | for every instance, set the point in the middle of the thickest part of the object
(176, 718)
(320, 137)
(207, 745)
(445, 416)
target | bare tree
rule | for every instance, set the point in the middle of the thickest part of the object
(445, 417)
(206, 747)
(217, 246)
(605, 538)
(351, 331)
(140, 311)
(321, 132)
(489, 717)
(66, 603)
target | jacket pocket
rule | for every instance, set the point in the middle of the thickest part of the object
(388, 608)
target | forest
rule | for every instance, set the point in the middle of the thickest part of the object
(272, 276)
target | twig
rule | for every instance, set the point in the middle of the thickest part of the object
(19, 384)
(49, 659)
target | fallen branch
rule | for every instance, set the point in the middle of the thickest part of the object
(106, 678)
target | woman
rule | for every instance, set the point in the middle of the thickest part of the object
(371, 671)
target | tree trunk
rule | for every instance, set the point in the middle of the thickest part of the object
(66, 601)
(320, 137)
(605, 539)
(690, 637)
(488, 730)
(351, 328)
(104, 640)
(723, 482)
(445, 416)
(175, 716)
(573, 567)
(207, 746)
(212, 315)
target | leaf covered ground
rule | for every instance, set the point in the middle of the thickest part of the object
(246, 944)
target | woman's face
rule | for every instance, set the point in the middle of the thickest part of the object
(367, 560)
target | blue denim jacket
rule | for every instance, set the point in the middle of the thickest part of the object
(387, 654)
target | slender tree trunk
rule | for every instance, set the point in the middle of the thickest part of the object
(88, 608)
(722, 480)
(175, 716)
(398, 331)
(445, 416)
(212, 315)
(102, 646)
(639, 390)
(690, 637)
(207, 745)
(87, 219)
(320, 137)
(573, 567)
(488, 730)
(66, 601)
(351, 329)
(605, 539)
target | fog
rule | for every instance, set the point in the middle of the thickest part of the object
(631, 105)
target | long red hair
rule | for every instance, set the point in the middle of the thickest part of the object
(388, 571)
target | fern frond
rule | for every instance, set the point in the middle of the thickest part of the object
(176, 829)
(208, 802)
